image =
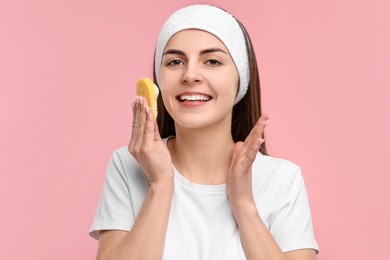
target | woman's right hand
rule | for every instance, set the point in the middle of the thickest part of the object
(147, 147)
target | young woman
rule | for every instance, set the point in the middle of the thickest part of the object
(199, 184)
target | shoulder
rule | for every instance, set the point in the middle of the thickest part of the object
(121, 153)
(122, 158)
(275, 173)
(122, 166)
(274, 165)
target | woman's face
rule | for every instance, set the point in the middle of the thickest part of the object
(198, 79)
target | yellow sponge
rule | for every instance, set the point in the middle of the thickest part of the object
(146, 88)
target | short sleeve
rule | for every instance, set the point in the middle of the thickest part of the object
(292, 227)
(114, 210)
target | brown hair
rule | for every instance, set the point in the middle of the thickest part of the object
(245, 113)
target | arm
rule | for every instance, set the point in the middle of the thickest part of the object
(257, 241)
(146, 237)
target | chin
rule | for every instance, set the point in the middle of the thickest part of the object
(202, 121)
(191, 123)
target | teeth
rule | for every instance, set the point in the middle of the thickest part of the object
(194, 98)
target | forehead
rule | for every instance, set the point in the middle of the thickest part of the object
(194, 39)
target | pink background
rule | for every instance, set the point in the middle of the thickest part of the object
(67, 76)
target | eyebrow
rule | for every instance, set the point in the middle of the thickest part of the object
(173, 51)
(206, 51)
(211, 50)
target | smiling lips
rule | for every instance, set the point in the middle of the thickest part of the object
(193, 98)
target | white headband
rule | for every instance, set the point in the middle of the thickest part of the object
(215, 21)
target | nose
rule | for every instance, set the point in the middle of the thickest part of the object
(191, 74)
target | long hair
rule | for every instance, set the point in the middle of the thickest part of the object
(245, 113)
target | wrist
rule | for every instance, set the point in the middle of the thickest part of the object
(244, 210)
(162, 187)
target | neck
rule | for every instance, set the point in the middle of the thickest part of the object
(204, 155)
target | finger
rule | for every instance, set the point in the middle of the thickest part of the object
(247, 154)
(133, 132)
(238, 147)
(241, 162)
(254, 134)
(265, 117)
(149, 126)
(257, 131)
(254, 148)
(139, 123)
(157, 136)
(262, 123)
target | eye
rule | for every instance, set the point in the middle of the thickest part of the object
(174, 62)
(213, 62)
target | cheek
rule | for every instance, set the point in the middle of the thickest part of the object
(229, 84)
(166, 96)
(167, 74)
(164, 86)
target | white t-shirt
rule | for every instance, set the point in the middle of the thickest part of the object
(201, 224)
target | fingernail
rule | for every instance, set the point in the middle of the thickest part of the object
(147, 110)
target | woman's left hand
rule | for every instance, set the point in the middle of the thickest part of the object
(239, 179)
